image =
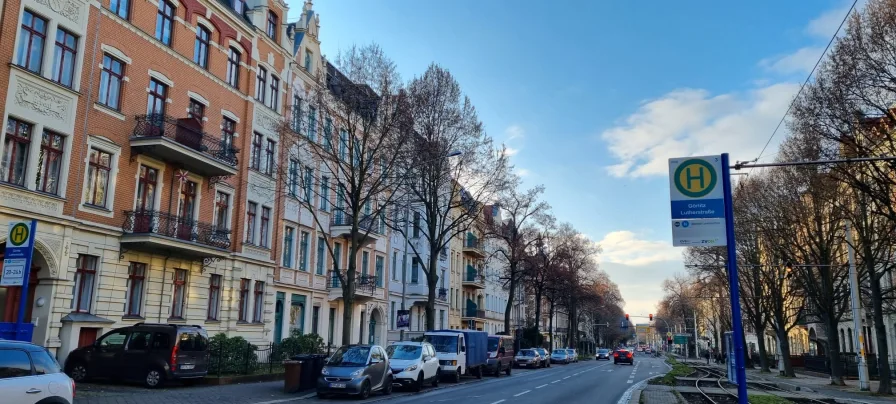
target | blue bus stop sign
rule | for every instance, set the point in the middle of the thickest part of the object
(16, 270)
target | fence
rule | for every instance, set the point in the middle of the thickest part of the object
(849, 364)
(245, 358)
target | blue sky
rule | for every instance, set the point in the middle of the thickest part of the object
(594, 97)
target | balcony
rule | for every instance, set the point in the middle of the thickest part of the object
(474, 278)
(161, 233)
(442, 294)
(369, 228)
(367, 287)
(473, 247)
(182, 141)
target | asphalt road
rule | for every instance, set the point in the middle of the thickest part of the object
(586, 382)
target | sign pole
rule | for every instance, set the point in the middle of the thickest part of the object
(736, 319)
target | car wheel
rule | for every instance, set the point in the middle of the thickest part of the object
(418, 384)
(507, 371)
(457, 376)
(387, 389)
(78, 372)
(365, 390)
(435, 380)
(154, 378)
(498, 370)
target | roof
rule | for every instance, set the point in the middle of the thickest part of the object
(7, 343)
(414, 343)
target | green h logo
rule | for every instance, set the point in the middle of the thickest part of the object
(695, 178)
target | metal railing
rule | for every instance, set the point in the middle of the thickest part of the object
(166, 224)
(474, 275)
(443, 294)
(363, 283)
(471, 241)
(245, 358)
(159, 125)
(474, 312)
(366, 222)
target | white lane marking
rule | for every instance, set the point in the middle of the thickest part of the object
(629, 381)
(543, 385)
(567, 377)
(499, 401)
(519, 394)
(555, 381)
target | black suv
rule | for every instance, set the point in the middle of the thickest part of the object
(148, 353)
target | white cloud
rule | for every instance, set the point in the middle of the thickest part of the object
(690, 122)
(513, 132)
(826, 24)
(510, 151)
(801, 61)
(522, 172)
(627, 248)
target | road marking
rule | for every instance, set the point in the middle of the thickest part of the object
(555, 381)
(629, 381)
(543, 385)
(567, 377)
(499, 401)
(519, 394)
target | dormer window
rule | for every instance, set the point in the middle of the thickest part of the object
(308, 58)
(240, 7)
(272, 25)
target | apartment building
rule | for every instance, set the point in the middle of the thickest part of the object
(495, 294)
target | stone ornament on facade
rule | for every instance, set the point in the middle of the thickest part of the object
(41, 101)
(70, 9)
(267, 122)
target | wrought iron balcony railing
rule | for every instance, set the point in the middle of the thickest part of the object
(473, 312)
(165, 224)
(366, 222)
(472, 242)
(474, 275)
(159, 125)
(364, 282)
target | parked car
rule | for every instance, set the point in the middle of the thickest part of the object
(623, 356)
(573, 355)
(545, 357)
(527, 358)
(602, 354)
(357, 370)
(559, 356)
(149, 353)
(500, 354)
(413, 364)
(29, 375)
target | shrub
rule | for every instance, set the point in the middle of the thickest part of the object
(297, 344)
(231, 355)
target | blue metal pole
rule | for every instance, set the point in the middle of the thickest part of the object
(736, 320)
(23, 299)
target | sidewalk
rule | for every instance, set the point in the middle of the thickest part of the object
(259, 393)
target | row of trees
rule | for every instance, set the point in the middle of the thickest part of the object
(413, 156)
(794, 222)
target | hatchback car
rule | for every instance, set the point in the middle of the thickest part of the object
(414, 364)
(623, 356)
(527, 358)
(602, 354)
(573, 355)
(545, 357)
(356, 369)
(31, 375)
(559, 356)
(148, 353)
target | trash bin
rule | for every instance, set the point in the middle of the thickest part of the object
(292, 377)
(308, 379)
(317, 364)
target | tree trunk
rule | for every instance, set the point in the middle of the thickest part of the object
(537, 310)
(550, 324)
(880, 335)
(348, 299)
(432, 281)
(760, 344)
(511, 293)
(834, 351)
(785, 353)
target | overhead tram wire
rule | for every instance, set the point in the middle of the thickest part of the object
(809, 77)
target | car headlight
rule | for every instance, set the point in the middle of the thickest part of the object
(357, 373)
(325, 371)
(411, 368)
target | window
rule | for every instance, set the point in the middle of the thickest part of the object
(120, 7)
(272, 25)
(200, 49)
(239, 6)
(296, 113)
(146, 189)
(303, 251)
(222, 208)
(244, 299)
(415, 268)
(110, 82)
(394, 316)
(269, 157)
(98, 169)
(265, 224)
(15, 151)
(261, 82)
(309, 183)
(365, 263)
(257, 316)
(214, 297)
(315, 318)
(328, 131)
(275, 93)
(178, 299)
(50, 161)
(233, 67)
(379, 271)
(164, 22)
(228, 132)
(196, 110)
(321, 255)
(158, 93)
(343, 144)
(32, 38)
(312, 123)
(64, 57)
(251, 211)
(324, 193)
(337, 255)
(136, 276)
(293, 186)
(84, 276)
(255, 152)
(308, 58)
(14, 363)
(394, 265)
(288, 240)
(416, 230)
(44, 364)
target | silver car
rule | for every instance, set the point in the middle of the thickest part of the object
(357, 370)
(31, 375)
(527, 358)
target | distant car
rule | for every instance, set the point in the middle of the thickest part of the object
(602, 354)
(559, 356)
(623, 356)
(545, 357)
(573, 355)
(647, 350)
(145, 352)
(29, 375)
(356, 369)
(414, 364)
(527, 358)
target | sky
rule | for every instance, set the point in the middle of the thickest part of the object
(593, 97)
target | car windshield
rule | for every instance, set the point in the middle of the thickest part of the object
(602, 351)
(492, 344)
(558, 353)
(404, 351)
(350, 356)
(527, 352)
(442, 343)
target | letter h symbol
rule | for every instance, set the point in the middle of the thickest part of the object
(698, 177)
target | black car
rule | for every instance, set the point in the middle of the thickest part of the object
(623, 356)
(149, 353)
(602, 354)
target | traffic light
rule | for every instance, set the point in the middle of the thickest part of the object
(650, 316)
(626, 316)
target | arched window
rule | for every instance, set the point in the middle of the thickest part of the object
(165, 22)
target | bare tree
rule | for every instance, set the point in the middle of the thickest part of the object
(449, 195)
